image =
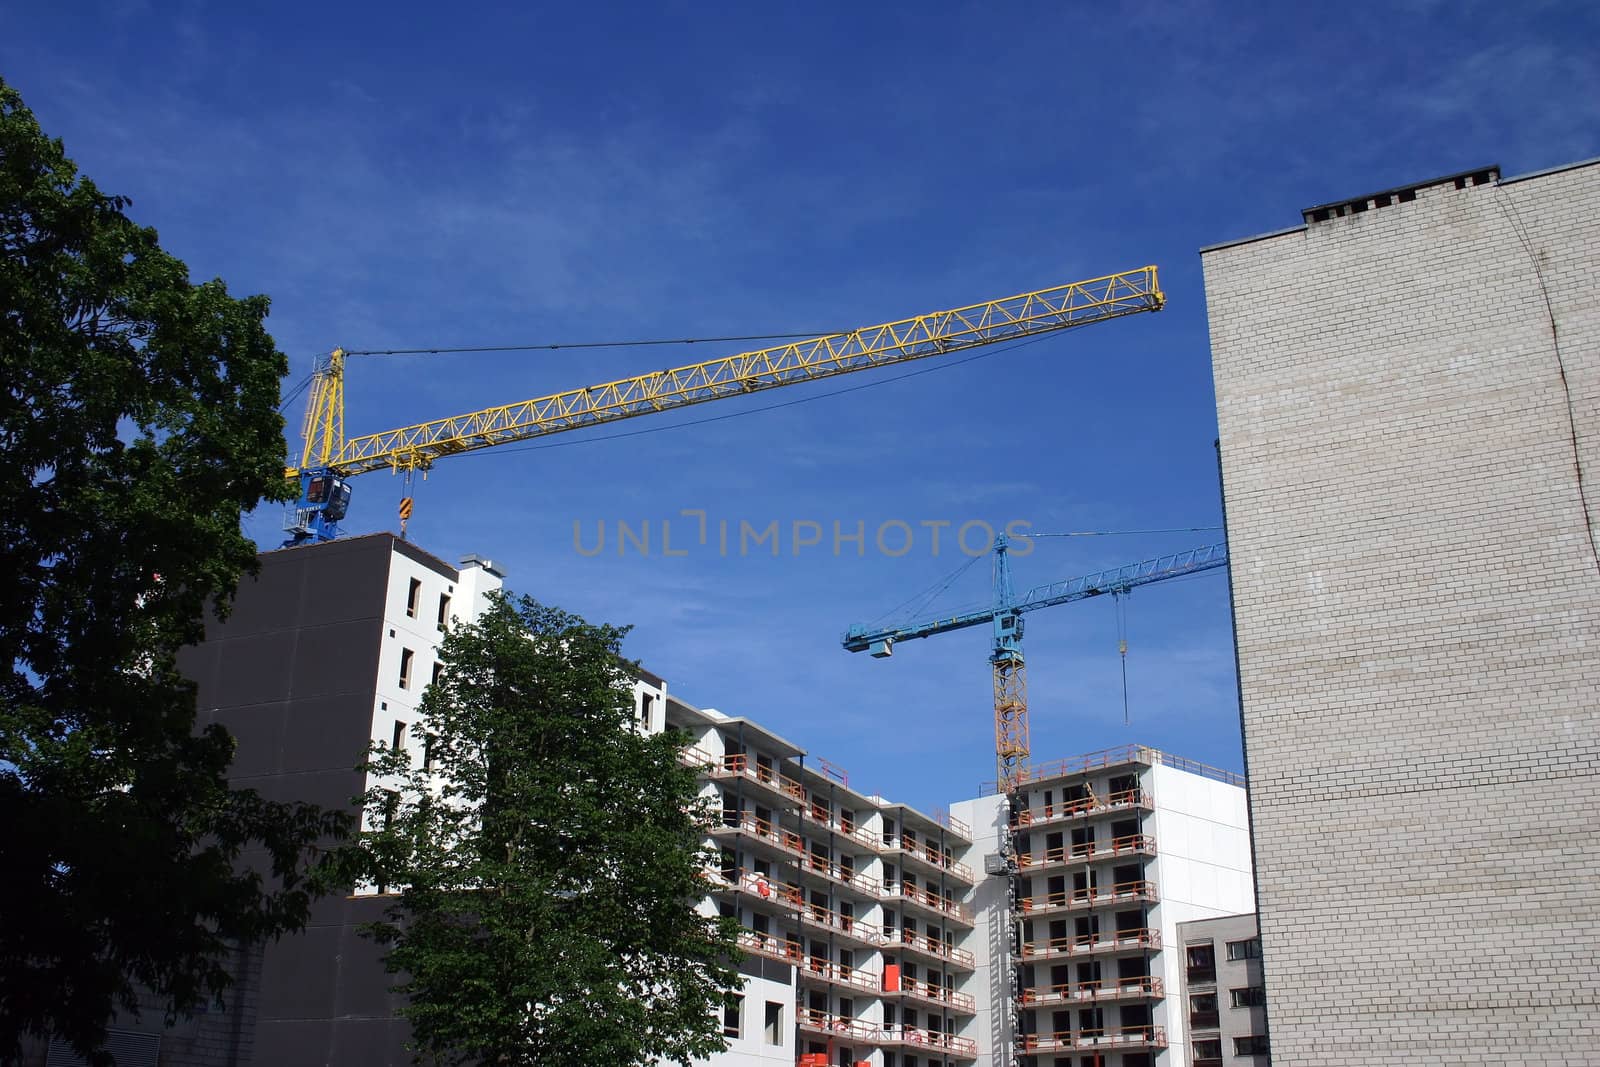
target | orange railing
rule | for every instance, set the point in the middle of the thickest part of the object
(930, 991)
(811, 1019)
(771, 946)
(820, 815)
(913, 1037)
(849, 925)
(1143, 987)
(932, 946)
(1122, 846)
(894, 1034)
(1068, 1040)
(767, 888)
(762, 886)
(1121, 893)
(833, 772)
(1084, 944)
(827, 971)
(845, 875)
(698, 758)
(930, 854)
(1082, 807)
(742, 766)
(774, 947)
(943, 817)
(1120, 756)
(747, 822)
(928, 899)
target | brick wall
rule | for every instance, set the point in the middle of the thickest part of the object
(1418, 613)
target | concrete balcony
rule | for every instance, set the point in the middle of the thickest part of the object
(1107, 942)
(926, 858)
(766, 780)
(855, 1031)
(931, 948)
(1126, 1038)
(912, 898)
(1144, 987)
(928, 993)
(1087, 899)
(1068, 855)
(1084, 808)
(849, 878)
(775, 838)
(937, 1045)
(837, 1027)
(818, 971)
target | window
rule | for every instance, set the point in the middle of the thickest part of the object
(774, 1023)
(647, 703)
(444, 611)
(1208, 1050)
(1249, 997)
(413, 594)
(1244, 950)
(1202, 960)
(730, 1017)
(438, 669)
(391, 808)
(399, 740)
(1254, 1045)
(406, 656)
(427, 753)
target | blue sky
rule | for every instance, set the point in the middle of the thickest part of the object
(406, 175)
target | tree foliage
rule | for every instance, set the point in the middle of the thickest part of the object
(138, 419)
(547, 859)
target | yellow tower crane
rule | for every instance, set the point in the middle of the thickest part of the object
(328, 459)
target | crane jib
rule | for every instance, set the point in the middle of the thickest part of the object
(327, 451)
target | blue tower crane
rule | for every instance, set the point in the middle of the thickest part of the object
(1011, 692)
(1005, 615)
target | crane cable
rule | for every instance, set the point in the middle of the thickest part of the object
(1122, 646)
(592, 344)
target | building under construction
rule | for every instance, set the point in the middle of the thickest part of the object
(873, 933)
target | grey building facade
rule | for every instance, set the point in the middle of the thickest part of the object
(326, 649)
(1408, 397)
(1223, 994)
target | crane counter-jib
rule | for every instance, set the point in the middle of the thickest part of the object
(331, 456)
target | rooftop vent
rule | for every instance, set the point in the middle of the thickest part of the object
(475, 560)
(1402, 194)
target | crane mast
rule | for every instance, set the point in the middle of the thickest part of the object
(328, 458)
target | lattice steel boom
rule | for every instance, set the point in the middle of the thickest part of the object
(329, 455)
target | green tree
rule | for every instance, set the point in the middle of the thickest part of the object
(138, 420)
(547, 859)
